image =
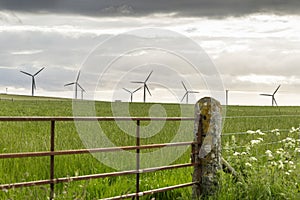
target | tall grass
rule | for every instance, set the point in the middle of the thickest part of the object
(262, 177)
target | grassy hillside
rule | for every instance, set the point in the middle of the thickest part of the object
(278, 171)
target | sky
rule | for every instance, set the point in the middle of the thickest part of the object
(250, 47)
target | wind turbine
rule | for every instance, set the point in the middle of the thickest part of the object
(187, 92)
(145, 85)
(33, 85)
(131, 92)
(82, 91)
(76, 85)
(273, 96)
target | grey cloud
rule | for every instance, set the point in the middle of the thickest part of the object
(191, 8)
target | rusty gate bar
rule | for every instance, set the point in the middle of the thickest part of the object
(94, 150)
(52, 148)
(93, 176)
(96, 118)
(173, 187)
(138, 142)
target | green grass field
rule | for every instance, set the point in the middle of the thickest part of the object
(267, 161)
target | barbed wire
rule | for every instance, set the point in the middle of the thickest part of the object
(258, 132)
(259, 144)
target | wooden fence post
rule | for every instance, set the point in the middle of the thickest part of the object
(207, 151)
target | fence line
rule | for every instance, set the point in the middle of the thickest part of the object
(259, 116)
(52, 153)
(261, 144)
(255, 133)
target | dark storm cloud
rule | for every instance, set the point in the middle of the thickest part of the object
(190, 8)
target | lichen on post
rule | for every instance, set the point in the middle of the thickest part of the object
(207, 150)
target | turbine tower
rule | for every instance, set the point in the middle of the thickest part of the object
(131, 92)
(187, 92)
(76, 86)
(273, 96)
(82, 91)
(145, 85)
(33, 85)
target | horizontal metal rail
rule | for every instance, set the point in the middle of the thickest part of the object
(94, 176)
(96, 118)
(164, 189)
(94, 150)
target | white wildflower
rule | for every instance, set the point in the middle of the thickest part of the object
(287, 173)
(280, 164)
(280, 151)
(248, 148)
(275, 131)
(292, 130)
(273, 163)
(253, 142)
(251, 132)
(259, 132)
(289, 145)
(261, 139)
(243, 153)
(233, 139)
(253, 159)
(297, 150)
(291, 163)
(248, 164)
(236, 153)
(269, 154)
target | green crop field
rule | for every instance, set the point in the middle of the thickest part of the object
(261, 143)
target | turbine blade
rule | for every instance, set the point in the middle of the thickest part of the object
(78, 76)
(69, 84)
(137, 82)
(193, 92)
(137, 90)
(80, 87)
(276, 89)
(275, 101)
(26, 73)
(148, 90)
(127, 90)
(269, 95)
(184, 86)
(39, 71)
(183, 96)
(148, 76)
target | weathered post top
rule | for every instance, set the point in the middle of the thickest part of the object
(207, 151)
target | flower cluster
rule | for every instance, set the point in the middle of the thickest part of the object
(279, 155)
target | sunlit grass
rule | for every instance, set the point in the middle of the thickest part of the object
(268, 171)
